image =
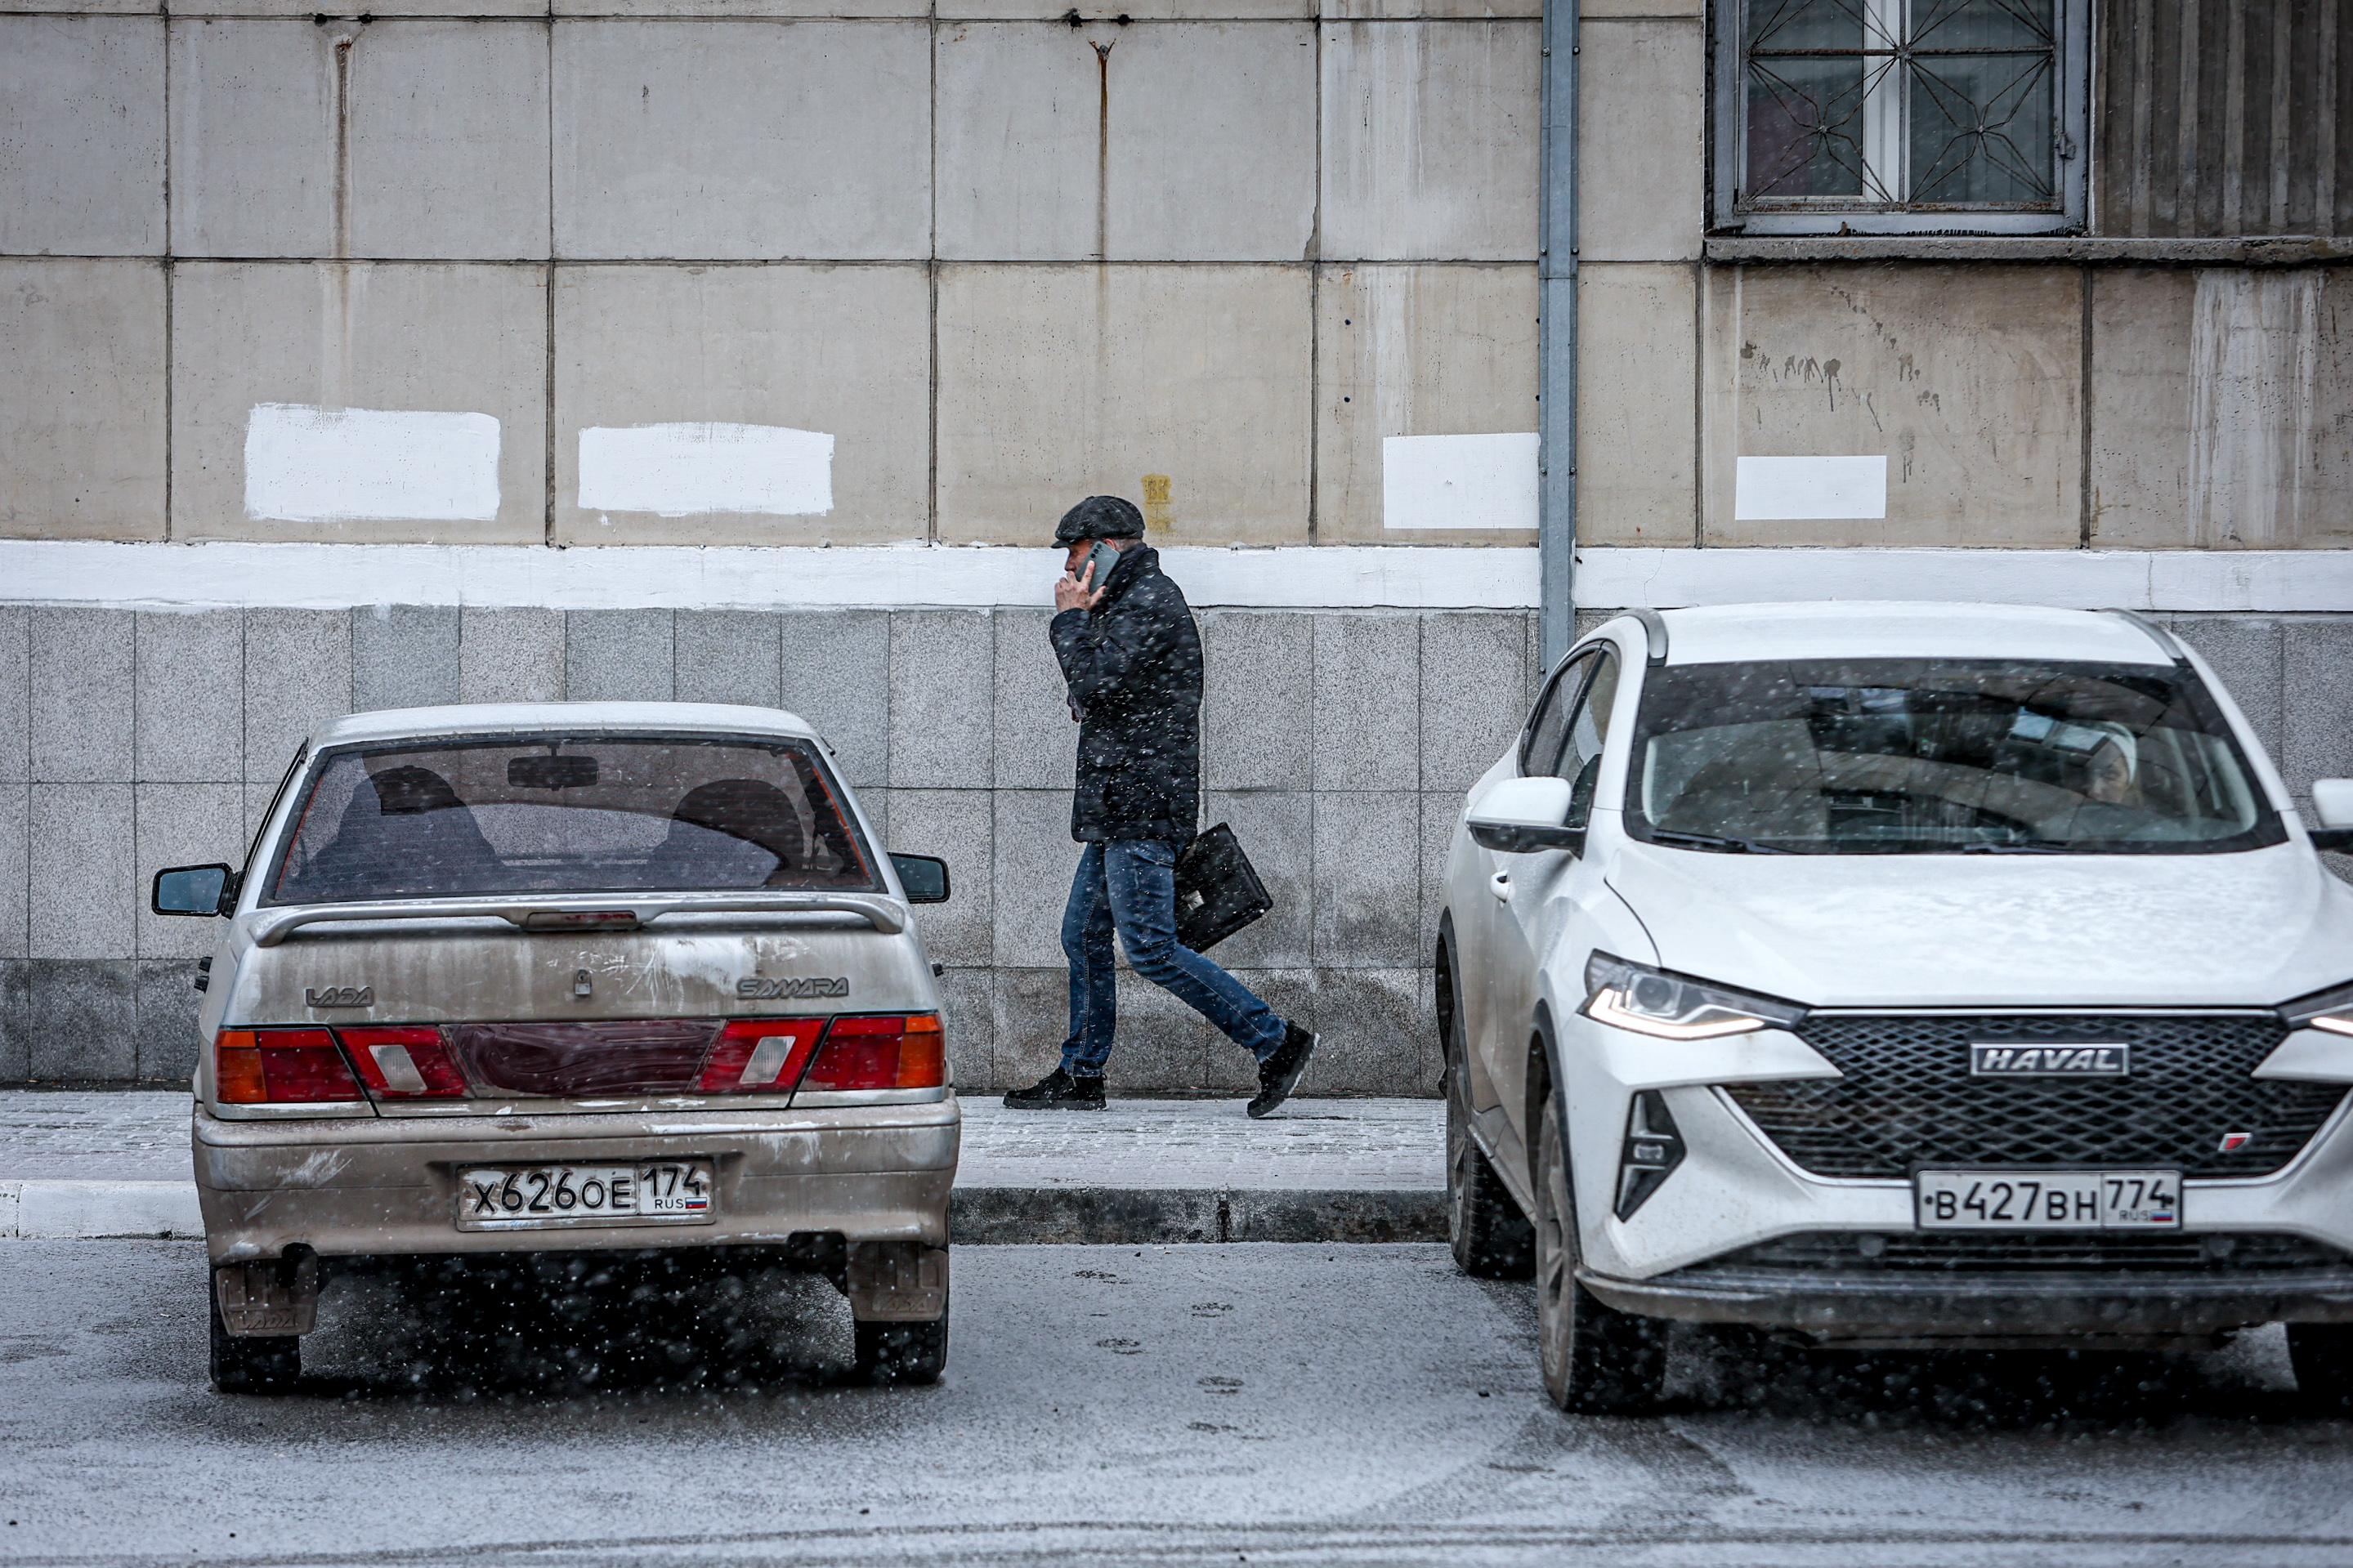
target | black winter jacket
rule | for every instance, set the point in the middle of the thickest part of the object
(1134, 664)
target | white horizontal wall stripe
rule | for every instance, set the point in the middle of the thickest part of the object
(2248, 580)
(192, 576)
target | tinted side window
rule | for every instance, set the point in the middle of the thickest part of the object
(1588, 730)
(1542, 743)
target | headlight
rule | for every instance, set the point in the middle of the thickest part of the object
(1675, 1006)
(2331, 1010)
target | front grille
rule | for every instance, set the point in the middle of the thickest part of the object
(1908, 1099)
(2174, 1252)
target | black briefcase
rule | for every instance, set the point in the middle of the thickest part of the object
(1218, 889)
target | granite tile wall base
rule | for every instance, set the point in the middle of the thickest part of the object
(404, 655)
(15, 1020)
(165, 1003)
(84, 1021)
(510, 656)
(968, 1009)
(1337, 743)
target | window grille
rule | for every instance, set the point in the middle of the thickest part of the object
(1901, 114)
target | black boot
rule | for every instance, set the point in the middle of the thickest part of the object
(1057, 1090)
(1279, 1074)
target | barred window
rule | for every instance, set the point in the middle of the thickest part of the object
(1901, 114)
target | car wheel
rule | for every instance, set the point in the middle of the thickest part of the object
(1492, 1239)
(895, 1351)
(258, 1364)
(1596, 1359)
(2322, 1356)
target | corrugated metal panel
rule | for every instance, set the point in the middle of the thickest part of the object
(2220, 118)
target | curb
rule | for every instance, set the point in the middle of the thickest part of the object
(100, 1211)
(1168, 1215)
(985, 1216)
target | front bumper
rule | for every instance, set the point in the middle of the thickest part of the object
(1675, 1257)
(1987, 1309)
(387, 1187)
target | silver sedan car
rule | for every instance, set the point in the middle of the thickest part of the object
(569, 978)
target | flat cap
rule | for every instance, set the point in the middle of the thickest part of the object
(1100, 517)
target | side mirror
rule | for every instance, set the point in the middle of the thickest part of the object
(2332, 804)
(925, 877)
(193, 891)
(1518, 816)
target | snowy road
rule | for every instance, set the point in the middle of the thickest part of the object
(1292, 1405)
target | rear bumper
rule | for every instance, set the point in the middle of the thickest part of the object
(1985, 1309)
(389, 1186)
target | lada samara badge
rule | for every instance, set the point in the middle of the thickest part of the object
(763, 987)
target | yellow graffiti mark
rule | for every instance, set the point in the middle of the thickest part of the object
(1158, 518)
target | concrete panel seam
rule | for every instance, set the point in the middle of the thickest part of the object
(2084, 423)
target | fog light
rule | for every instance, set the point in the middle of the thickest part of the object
(1653, 1149)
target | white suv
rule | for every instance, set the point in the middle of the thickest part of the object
(1898, 975)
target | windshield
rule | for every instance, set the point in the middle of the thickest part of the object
(1924, 756)
(559, 813)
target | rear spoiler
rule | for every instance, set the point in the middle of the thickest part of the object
(583, 912)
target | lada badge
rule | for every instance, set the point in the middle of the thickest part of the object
(340, 996)
(1994, 1058)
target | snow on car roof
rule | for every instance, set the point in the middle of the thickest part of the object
(1722, 634)
(504, 718)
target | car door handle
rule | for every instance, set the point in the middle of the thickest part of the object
(1500, 884)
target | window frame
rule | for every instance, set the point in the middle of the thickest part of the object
(1607, 658)
(1728, 123)
(1578, 663)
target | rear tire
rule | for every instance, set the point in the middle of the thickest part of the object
(251, 1363)
(1492, 1238)
(891, 1352)
(2322, 1356)
(1597, 1361)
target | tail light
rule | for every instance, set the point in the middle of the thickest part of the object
(404, 1064)
(280, 1067)
(890, 1051)
(760, 1056)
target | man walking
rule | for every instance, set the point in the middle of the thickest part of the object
(1132, 656)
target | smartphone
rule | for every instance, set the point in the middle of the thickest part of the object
(1103, 558)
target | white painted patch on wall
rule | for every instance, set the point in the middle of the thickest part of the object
(1775, 490)
(699, 469)
(307, 464)
(1459, 481)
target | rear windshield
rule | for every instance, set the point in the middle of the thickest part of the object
(1926, 756)
(563, 814)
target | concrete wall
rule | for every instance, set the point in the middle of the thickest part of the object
(2053, 394)
(1212, 256)
(984, 260)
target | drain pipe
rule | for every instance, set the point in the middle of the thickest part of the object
(1556, 337)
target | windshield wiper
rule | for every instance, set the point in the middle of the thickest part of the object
(1720, 842)
(2017, 847)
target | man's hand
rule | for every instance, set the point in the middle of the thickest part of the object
(1076, 593)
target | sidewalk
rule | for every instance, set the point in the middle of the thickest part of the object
(1144, 1171)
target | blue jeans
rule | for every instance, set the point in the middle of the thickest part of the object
(1130, 886)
